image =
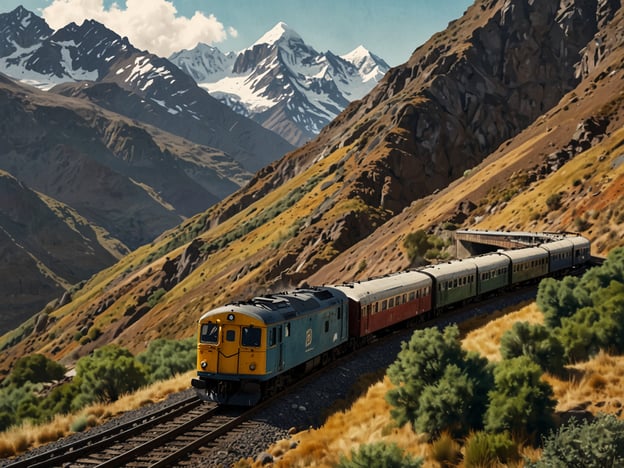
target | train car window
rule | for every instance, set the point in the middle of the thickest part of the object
(251, 336)
(339, 313)
(404, 298)
(391, 302)
(272, 336)
(279, 334)
(376, 307)
(384, 305)
(326, 326)
(230, 335)
(413, 295)
(209, 333)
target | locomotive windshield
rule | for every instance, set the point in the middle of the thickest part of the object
(209, 333)
(251, 336)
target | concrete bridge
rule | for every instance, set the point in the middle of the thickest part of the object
(469, 243)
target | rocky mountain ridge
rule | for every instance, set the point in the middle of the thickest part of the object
(283, 83)
(462, 135)
(92, 56)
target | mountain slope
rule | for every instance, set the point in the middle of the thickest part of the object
(40, 241)
(121, 183)
(283, 83)
(92, 52)
(462, 135)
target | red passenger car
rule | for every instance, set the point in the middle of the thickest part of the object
(379, 303)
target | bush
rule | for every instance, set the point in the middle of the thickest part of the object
(593, 328)
(557, 299)
(79, 424)
(379, 454)
(165, 358)
(535, 341)
(596, 444)
(520, 403)
(445, 450)
(17, 402)
(483, 449)
(438, 385)
(108, 373)
(35, 368)
(553, 202)
(155, 297)
(417, 243)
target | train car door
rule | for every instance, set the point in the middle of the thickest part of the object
(366, 311)
(280, 345)
(229, 352)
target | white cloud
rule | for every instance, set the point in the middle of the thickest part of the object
(149, 24)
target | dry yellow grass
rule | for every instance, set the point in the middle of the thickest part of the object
(18, 439)
(367, 421)
(486, 339)
(595, 386)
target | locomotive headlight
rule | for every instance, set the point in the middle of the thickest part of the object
(252, 366)
(203, 364)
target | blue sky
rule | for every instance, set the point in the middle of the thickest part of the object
(391, 29)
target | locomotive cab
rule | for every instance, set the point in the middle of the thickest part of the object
(245, 350)
(231, 343)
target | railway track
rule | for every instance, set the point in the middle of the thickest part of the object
(71, 452)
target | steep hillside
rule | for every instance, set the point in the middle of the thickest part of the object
(40, 241)
(514, 102)
(129, 181)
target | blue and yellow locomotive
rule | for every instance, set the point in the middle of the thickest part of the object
(249, 349)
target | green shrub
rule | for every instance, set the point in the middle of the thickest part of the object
(553, 202)
(485, 449)
(535, 341)
(155, 297)
(35, 368)
(379, 454)
(520, 403)
(79, 424)
(438, 385)
(165, 358)
(108, 373)
(595, 444)
(417, 243)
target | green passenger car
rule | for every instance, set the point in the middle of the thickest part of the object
(453, 282)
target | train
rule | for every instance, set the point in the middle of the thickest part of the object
(248, 350)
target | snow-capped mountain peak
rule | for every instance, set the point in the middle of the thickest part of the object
(370, 66)
(204, 63)
(283, 83)
(21, 29)
(279, 33)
